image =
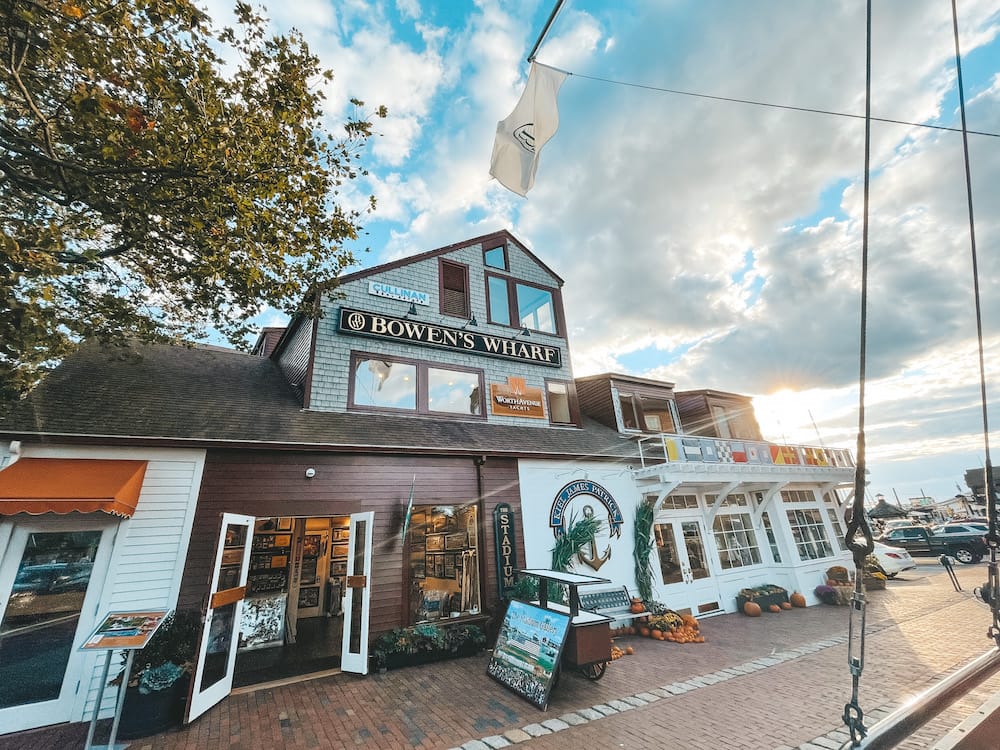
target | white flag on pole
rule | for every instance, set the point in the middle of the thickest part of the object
(521, 136)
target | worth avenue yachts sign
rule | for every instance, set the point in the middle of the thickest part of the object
(360, 323)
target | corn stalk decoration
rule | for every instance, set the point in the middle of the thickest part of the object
(577, 535)
(642, 550)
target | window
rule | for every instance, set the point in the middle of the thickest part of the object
(838, 528)
(733, 499)
(561, 408)
(513, 303)
(496, 257)
(443, 562)
(679, 502)
(798, 496)
(454, 289)
(382, 382)
(809, 534)
(771, 539)
(733, 423)
(646, 413)
(736, 541)
(666, 546)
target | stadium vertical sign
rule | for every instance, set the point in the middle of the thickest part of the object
(504, 538)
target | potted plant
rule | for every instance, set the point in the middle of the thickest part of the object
(161, 674)
(425, 643)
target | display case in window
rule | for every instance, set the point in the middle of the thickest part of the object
(269, 555)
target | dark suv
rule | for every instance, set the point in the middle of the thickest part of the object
(919, 540)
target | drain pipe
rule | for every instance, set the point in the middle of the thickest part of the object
(902, 722)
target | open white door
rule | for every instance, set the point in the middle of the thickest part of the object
(213, 678)
(357, 594)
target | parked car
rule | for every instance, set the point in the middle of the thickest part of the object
(892, 560)
(965, 527)
(920, 540)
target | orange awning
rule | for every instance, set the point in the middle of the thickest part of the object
(64, 485)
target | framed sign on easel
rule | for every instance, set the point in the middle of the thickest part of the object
(119, 631)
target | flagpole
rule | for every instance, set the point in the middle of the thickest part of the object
(548, 24)
(409, 510)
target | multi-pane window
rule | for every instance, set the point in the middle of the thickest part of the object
(513, 303)
(732, 423)
(736, 540)
(444, 562)
(454, 289)
(809, 534)
(382, 382)
(771, 539)
(732, 500)
(680, 502)
(798, 496)
(838, 528)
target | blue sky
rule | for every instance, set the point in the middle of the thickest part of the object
(711, 244)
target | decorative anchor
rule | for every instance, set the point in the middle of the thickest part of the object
(594, 561)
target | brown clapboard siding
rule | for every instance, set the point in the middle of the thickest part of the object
(595, 400)
(274, 484)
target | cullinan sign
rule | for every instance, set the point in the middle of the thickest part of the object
(381, 289)
(378, 326)
(557, 517)
(504, 537)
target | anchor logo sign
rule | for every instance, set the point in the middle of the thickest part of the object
(593, 560)
(589, 555)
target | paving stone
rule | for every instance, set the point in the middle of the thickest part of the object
(661, 692)
(648, 697)
(555, 725)
(827, 743)
(497, 741)
(517, 735)
(620, 705)
(634, 700)
(475, 745)
(605, 710)
(574, 719)
(536, 730)
(591, 714)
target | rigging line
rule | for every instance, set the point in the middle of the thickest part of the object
(989, 489)
(756, 103)
(853, 716)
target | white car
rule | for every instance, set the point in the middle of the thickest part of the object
(892, 560)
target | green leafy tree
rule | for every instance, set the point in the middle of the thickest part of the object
(159, 176)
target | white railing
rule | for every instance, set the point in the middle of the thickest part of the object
(664, 448)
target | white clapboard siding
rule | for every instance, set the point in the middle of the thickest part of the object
(148, 554)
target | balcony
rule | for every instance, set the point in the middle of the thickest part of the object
(657, 450)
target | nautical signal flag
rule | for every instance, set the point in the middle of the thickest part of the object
(521, 136)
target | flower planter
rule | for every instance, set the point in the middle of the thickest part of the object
(398, 661)
(155, 712)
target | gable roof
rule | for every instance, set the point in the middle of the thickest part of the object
(503, 233)
(208, 397)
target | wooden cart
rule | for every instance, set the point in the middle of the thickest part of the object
(588, 643)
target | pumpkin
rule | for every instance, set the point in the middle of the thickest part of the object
(657, 634)
(752, 609)
(690, 621)
(644, 632)
(797, 600)
(637, 606)
(629, 650)
(774, 608)
(786, 605)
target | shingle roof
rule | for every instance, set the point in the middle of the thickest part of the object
(210, 397)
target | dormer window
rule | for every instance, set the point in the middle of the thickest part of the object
(646, 413)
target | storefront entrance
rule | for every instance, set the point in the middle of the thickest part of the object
(685, 570)
(49, 586)
(293, 617)
(290, 597)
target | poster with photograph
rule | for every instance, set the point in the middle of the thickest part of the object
(527, 651)
(125, 630)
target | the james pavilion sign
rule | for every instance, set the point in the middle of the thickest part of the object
(360, 323)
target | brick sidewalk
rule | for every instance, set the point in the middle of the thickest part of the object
(758, 683)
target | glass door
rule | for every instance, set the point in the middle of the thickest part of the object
(357, 594)
(684, 567)
(50, 580)
(213, 678)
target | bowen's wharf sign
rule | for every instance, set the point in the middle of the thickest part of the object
(360, 323)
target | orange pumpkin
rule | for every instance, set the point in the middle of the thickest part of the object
(797, 600)
(774, 608)
(637, 606)
(629, 650)
(644, 632)
(689, 620)
(657, 634)
(786, 605)
(751, 609)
